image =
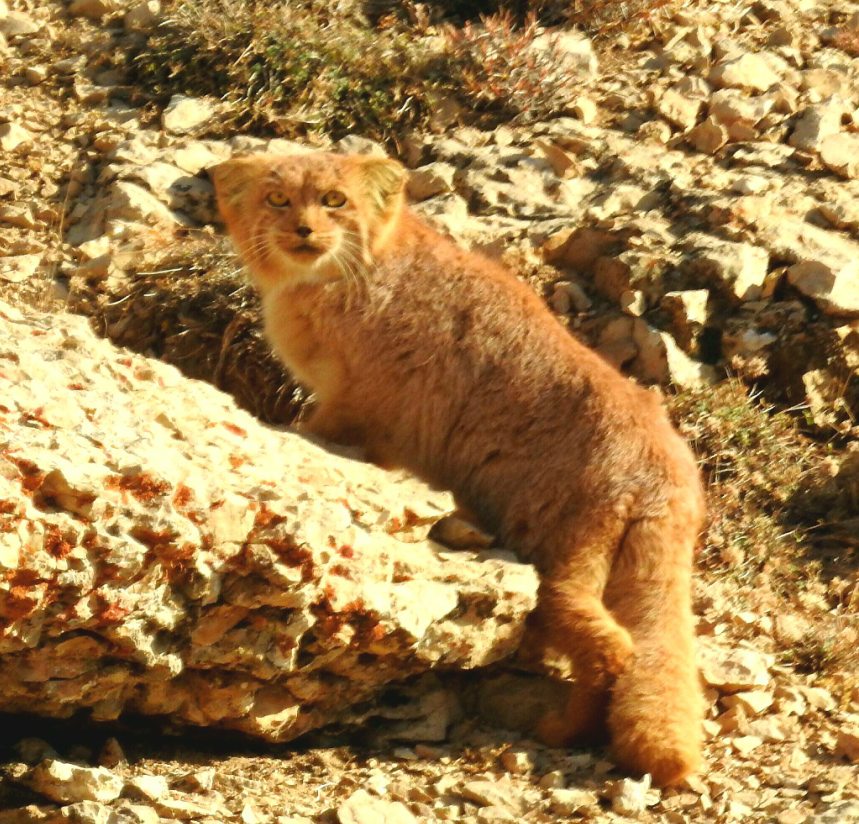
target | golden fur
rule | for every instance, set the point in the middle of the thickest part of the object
(439, 360)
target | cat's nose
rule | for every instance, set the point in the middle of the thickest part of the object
(304, 231)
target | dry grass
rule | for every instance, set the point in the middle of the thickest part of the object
(300, 68)
(776, 508)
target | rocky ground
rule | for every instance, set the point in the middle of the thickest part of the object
(693, 213)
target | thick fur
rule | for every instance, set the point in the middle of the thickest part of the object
(441, 361)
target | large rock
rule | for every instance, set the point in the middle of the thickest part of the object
(162, 552)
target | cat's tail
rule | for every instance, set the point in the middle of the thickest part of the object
(656, 705)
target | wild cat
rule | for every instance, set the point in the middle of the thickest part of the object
(439, 360)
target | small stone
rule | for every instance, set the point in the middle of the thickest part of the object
(18, 24)
(753, 702)
(86, 812)
(744, 744)
(459, 533)
(199, 781)
(571, 802)
(733, 670)
(747, 71)
(14, 138)
(820, 698)
(430, 180)
(249, 815)
(840, 153)
(729, 106)
(18, 268)
(585, 110)
(36, 74)
(679, 110)
(127, 813)
(142, 16)
(357, 144)
(184, 115)
(815, 124)
(771, 727)
(65, 782)
(490, 794)
(633, 302)
(149, 787)
(563, 163)
(553, 780)
(836, 292)
(708, 137)
(688, 312)
(571, 49)
(740, 268)
(661, 360)
(519, 762)
(656, 130)
(363, 808)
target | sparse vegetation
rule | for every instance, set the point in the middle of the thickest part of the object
(758, 465)
(295, 69)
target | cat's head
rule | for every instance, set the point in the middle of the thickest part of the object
(311, 217)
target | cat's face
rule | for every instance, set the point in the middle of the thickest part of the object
(307, 218)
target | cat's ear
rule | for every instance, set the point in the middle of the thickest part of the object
(384, 181)
(231, 179)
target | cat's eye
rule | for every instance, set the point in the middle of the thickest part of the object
(278, 199)
(333, 199)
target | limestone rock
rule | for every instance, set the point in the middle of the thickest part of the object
(835, 291)
(491, 794)
(729, 106)
(142, 16)
(14, 138)
(570, 802)
(18, 268)
(733, 670)
(738, 268)
(131, 203)
(678, 109)
(747, 71)
(661, 360)
(430, 180)
(162, 552)
(184, 115)
(61, 781)
(18, 24)
(708, 136)
(687, 310)
(840, 152)
(753, 702)
(825, 263)
(363, 808)
(816, 123)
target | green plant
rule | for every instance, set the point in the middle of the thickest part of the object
(290, 69)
